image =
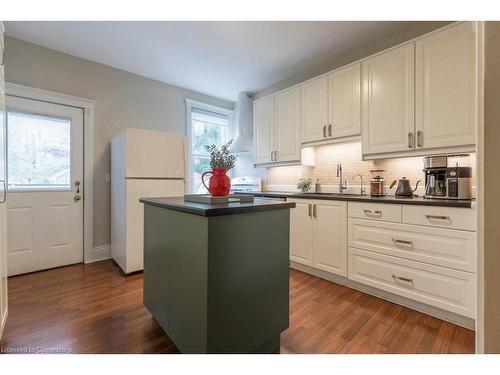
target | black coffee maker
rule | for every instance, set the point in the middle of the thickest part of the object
(435, 168)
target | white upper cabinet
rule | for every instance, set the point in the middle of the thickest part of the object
(277, 128)
(415, 99)
(315, 110)
(422, 96)
(388, 101)
(287, 145)
(344, 102)
(264, 124)
(446, 88)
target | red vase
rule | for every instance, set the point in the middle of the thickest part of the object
(219, 184)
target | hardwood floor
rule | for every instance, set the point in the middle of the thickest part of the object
(93, 308)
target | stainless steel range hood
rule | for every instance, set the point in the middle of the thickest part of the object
(244, 123)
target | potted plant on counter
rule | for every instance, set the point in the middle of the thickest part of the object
(304, 185)
(221, 161)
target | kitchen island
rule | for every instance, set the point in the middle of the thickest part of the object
(216, 276)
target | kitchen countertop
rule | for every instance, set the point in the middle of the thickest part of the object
(179, 204)
(390, 199)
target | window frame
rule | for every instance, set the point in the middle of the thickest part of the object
(190, 104)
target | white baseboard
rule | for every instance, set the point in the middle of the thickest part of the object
(459, 320)
(100, 253)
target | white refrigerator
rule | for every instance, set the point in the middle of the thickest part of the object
(144, 163)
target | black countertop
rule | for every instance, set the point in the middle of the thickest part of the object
(179, 204)
(390, 199)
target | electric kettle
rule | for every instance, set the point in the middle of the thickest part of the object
(404, 188)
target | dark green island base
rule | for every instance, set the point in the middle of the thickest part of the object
(216, 277)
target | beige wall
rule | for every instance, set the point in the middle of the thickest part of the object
(368, 49)
(492, 188)
(123, 100)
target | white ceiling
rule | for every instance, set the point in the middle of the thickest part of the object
(215, 58)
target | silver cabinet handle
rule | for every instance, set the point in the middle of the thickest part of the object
(402, 242)
(309, 210)
(420, 135)
(314, 211)
(371, 213)
(330, 130)
(410, 140)
(4, 198)
(437, 217)
(275, 155)
(400, 278)
(324, 131)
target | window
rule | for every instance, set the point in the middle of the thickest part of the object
(208, 125)
(38, 152)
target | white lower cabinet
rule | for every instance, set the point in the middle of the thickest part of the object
(330, 236)
(301, 232)
(375, 211)
(423, 253)
(318, 234)
(449, 248)
(442, 217)
(407, 251)
(441, 287)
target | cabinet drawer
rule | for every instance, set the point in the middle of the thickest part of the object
(441, 247)
(375, 211)
(447, 289)
(442, 217)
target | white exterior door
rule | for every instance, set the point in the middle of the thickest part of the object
(387, 102)
(330, 236)
(344, 108)
(301, 232)
(315, 110)
(45, 185)
(264, 123)
(446, 88)
(288, 125)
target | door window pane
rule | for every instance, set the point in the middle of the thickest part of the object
(39, 151)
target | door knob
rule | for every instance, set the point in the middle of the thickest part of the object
(77, 197)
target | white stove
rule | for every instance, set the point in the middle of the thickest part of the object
(246, 184)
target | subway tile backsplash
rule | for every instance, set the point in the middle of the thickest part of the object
(349, 154)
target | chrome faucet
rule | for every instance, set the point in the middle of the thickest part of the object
(363, 189)
(342, 184)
